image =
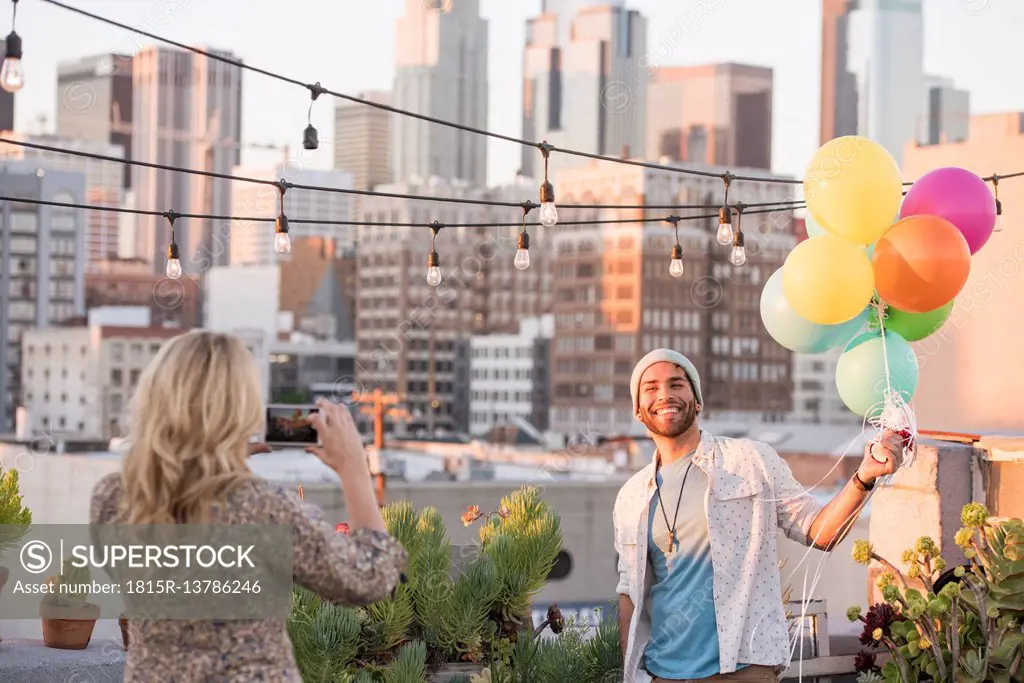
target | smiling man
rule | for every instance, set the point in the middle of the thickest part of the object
(699, 586)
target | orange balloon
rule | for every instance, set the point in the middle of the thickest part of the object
(921, 263)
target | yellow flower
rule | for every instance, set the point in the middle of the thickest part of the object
(862, 552)
(907, 557)
(974, 515)
(963, 537)
(885, 579)
(877, 634)
(914, 571)
(924, 643)
(891, 594)
(940, 564)
(959, 573)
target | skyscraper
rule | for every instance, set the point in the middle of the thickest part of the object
(188, 112)
(946, 112)
(94, 102)
(584, 81)
(838, 85)
(886, 52)
(42, 264)
(717, 114)
(362, 140)
(6, 102)
(102, 184)
(252, 243)
(441, 71)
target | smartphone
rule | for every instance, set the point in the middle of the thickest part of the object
(289, 426)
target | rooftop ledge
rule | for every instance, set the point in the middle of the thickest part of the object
(29, 661)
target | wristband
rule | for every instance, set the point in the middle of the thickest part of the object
(859, 483)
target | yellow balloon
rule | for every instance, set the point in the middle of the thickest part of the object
(828, 280)
(853, 188)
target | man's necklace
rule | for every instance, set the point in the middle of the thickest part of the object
(673, 540)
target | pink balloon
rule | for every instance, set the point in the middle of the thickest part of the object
(959, 196)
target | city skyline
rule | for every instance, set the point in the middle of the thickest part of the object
(276, 112)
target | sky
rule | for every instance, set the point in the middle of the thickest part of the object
(347, 45)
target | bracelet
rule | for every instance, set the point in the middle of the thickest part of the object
(859, 483)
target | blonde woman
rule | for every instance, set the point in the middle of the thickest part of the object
(197, 405)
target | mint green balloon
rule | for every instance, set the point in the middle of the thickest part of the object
(813, 229)
(913, 326)
(860, 372)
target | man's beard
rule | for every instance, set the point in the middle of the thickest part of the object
(677, 426)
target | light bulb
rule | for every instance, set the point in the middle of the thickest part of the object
(724, 233)
(173, 268)
(282, 243)
(738, 256)
(675, 268)
(522, 260)
(12, 76)
(434, 276)
(548, 214)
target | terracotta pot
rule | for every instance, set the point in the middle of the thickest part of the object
(68, 627)
(123, 623)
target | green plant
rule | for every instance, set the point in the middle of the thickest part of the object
(70, 588)
(969, 630)
(15, 518)
(440, 615)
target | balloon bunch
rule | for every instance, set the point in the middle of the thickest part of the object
(877, 271)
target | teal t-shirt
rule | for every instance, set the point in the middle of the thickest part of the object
(684, 632)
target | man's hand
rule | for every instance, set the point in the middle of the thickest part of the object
(880, 457)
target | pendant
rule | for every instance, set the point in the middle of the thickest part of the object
(672, 541)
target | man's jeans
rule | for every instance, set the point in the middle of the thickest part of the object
(749, 674)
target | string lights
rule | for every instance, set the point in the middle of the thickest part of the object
(675, 266)
(173, 269)
(12, 76)
(522, 259)
(282, 243)
(548, 210)
(310, 138)
(738, 255)
(724, 235)
(433, 260)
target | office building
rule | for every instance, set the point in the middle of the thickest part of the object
(6, 101)
(584, 87)
(838, 84)
(42, 265)
(132, 282)
(408, 333)
(815, 399)
(252, 242)
(947, 112)
(79, 380)
(614, 299)
(362, 140)
(103, 184)
(298, 369)
(187, 112)
(968, 371)
(509, 376)
(716, 114)
(94, 103)
(886, 53)
(440, 71)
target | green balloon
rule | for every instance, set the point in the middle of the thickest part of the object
(913, 326)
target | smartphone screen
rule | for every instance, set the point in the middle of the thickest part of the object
(289, 425)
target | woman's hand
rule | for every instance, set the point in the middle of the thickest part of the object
(259, 447)
(342, 445)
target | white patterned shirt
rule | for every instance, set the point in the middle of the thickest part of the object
(751, 494)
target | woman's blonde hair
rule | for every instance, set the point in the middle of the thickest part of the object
(196, 407)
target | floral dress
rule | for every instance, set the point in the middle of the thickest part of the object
(355, 569)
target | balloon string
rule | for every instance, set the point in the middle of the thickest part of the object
(880, 309)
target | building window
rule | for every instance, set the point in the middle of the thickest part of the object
(134, 377)
(117, 352)
(116, 377)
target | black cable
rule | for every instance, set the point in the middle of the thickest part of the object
(312, 221)
(340, 190)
